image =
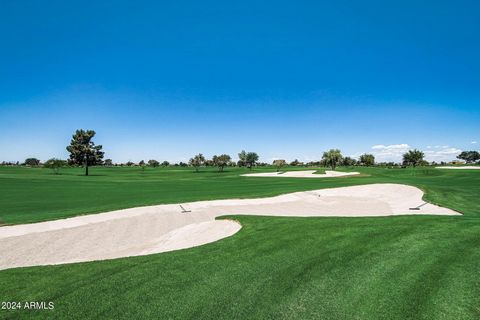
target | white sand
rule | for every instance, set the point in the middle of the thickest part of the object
(154, 229)
(458, 167)
(302, 174)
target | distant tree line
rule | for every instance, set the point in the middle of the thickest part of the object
(245, 159)
(331, 158)
(85, 153)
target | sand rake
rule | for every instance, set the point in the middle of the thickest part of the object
(184, 210)
(418, 207)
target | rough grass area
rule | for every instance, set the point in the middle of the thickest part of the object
(406, 267)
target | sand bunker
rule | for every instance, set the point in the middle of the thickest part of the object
(464, 167)
(154, 229)
(302, 174)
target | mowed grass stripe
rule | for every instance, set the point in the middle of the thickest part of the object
(371, 268)
(405, 267)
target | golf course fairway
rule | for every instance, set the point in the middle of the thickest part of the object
(399, 267)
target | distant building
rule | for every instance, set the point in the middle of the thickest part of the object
(457, 162)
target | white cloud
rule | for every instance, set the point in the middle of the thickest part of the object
(401, 146)
(442, 153)
(473, 142)
(392, 152)
(355, 155)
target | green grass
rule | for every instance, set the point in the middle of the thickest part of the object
(36, 194)
(320, 171)
(407, 267)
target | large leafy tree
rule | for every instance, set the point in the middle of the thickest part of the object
(197, 161)
(279, 163)
(367, 159)
(348, 161)
(32, 162)
(242, 159)
(221, 161)
(83, 150)
(332, 158)
(469, 156)
(153, 163)
(295, 163)
(413, 157)
(142, 165)
(251, 159)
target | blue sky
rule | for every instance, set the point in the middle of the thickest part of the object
(287, 79)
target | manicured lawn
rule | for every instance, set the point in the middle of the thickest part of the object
(35, 194)
(408, 267)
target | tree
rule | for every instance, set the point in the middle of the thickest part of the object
(153, 163)
(279, 163)
(31, 162)
(251, 159)
(242, 159)
(469, 156)
(55, 164)
(108, 162)
(423, 163)
(295, 163)
(83, 150)
(165, 164)
(142, 165)
(197, 161)
(348, 162)
(413, 157)
(221, 161)
(332, 158)
(367, 159)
